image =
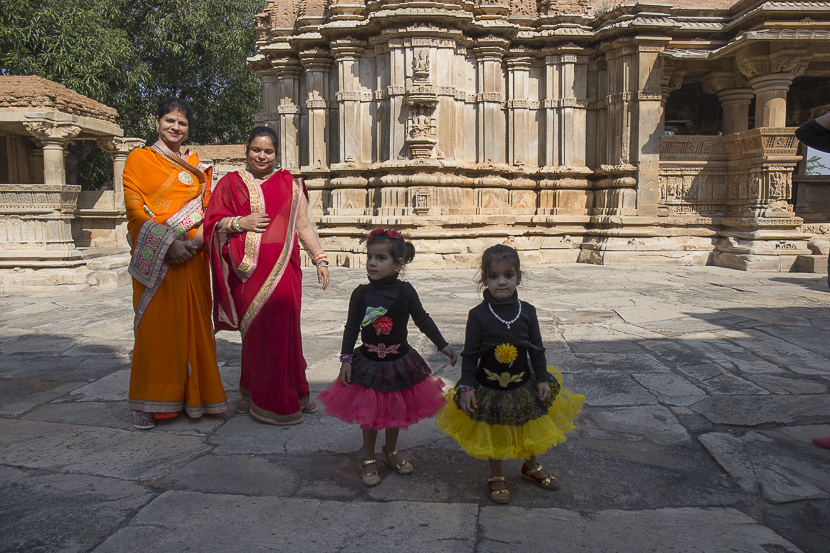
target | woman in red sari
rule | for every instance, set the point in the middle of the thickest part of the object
(252, 226)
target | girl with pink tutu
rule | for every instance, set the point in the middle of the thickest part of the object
(385, 384)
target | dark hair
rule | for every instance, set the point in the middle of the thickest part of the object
(397, 246)
(261, 131)
(496, 254)
(173, 104)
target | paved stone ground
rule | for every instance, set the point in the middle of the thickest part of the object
(704, 386)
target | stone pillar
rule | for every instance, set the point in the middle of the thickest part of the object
(347, 53)
(671, 80)
(770, 74)
(518, 112)
(316, 63)
(119, 148)
(489, 52)
(646, 154)
(53, 137)
(287, 74)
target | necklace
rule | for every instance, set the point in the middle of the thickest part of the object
(508, 323)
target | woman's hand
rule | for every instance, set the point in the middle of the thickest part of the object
(544, 391)
(468, 402)
(323, 275)
(346, 373)
(179, 252)
(449, 352)
(255, 222)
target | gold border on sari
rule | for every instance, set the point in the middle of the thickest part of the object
(250, 259)
(274, 277)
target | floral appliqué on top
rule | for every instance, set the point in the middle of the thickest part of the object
(372, 313)
(382, 325)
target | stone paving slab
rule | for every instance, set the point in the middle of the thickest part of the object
(676, 530)
(704, 387)
(94, 451)
(217, 522)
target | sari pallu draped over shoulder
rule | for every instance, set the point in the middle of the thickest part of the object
(174, 358)
(257, 288)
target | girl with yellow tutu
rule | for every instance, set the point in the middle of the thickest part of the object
(508, 404)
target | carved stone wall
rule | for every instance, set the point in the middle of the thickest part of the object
(508, 120)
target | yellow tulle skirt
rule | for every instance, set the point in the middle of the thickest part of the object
(504, 441)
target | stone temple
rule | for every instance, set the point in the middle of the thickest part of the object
(574, 130)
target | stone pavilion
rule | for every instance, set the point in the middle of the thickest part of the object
(574, 130)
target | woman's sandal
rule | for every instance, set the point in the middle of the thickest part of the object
(244, 407)
(405, 467)
(309, 407)
(143, 421)
(549, 482)
(373, 478)
(499, 495)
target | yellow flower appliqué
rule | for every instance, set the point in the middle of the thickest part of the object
(504, 379)
(506, 353)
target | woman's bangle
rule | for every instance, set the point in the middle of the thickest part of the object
(235, 223)
(318, 257)
(322, 263)
(346, 357)
(465, 388)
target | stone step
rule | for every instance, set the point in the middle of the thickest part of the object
(109, 271)
(811, 264)
(34, 279)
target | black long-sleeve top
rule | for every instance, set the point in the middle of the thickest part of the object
(814, 135)
(400, 301)
(485, 331)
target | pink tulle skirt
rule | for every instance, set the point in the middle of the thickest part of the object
(355, 404)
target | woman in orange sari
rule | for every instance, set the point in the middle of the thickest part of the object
(252, 226)
(174, 359)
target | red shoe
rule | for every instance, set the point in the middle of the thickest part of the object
(547, 482)
(823, 442)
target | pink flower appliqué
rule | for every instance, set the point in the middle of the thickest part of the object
(382, 350)
(382, 325)
(379, 230)
(392, 233)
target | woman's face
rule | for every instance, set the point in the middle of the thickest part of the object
(262, 156)
(173, 129)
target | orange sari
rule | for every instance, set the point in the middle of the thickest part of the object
(174, 359)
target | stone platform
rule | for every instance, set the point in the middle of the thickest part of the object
(704, 387)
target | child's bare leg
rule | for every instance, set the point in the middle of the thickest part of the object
(391, 444)
(396, 462)
(369, 439)
(540, 477)
(496, 470)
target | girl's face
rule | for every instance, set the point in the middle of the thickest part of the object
(173, 129)
(379, 262)
(261, 156)
(501, 279)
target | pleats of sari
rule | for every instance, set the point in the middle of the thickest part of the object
(273, 367)
(174, 359)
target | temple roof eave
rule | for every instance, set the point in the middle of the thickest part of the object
(12, 120)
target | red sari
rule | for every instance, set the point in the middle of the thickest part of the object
(257, 288)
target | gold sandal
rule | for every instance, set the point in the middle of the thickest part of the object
(373, 478)
(405, 467)
(500, 495)
(548, 483)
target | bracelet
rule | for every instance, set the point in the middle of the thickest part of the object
(235, 223)
(465, 388)
(346, 357)
(318, 257)
(322, 263)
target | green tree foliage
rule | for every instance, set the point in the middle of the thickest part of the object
(816, 167)
(132, 54)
